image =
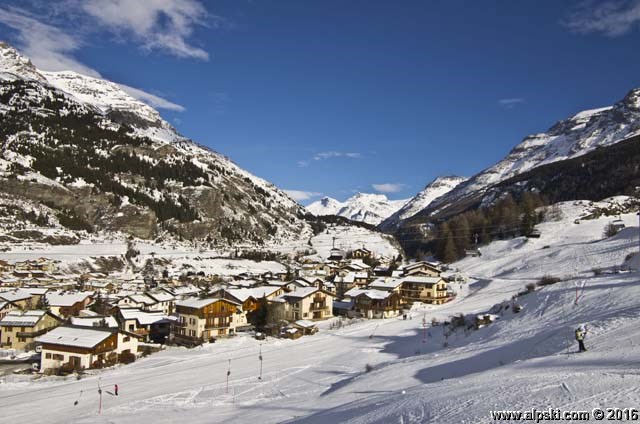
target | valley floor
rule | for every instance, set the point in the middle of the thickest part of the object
(521, 361)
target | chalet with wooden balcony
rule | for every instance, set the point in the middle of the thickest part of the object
(19, 329)
(150, 326)
(76, 348)
(202, 320)
(424, 269)
(432, 290)
(68, 304)
(362, 252)
(373, 303)
(310, 303)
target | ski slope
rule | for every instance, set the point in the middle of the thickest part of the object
(416, 374)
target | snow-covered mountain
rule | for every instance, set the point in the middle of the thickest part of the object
(363, 207)
(435, 189)
(102, 160)
(581, 133)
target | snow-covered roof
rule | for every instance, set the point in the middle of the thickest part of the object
(94, 321)
(420, 280)
(305, 323)
(370, 293)
(263, 291)
(15, 295)
(198, 303)
(161, 296)
(66, 299)
(141, 298)
(36, 290)
(143, 318)
(302, 292)
(75, 336)
(22, 319)
(385, 283)
(242, 294)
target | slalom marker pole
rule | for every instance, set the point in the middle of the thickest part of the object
(100, 401)
(260, 357)
(228, 374)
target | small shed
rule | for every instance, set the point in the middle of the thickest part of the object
(306, 327)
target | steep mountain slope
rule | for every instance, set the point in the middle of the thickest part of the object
(435, 189)
(582, 133)
(363, 207)
(102, 160)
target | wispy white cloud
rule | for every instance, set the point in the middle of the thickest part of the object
(48, 47)
(155, 24)
(151, 99)
(301, 196)
(332, 154)
(52, 49)
(511, 102)
(610, 18)
(388, 187)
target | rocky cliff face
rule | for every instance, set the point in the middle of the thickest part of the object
(100, 160)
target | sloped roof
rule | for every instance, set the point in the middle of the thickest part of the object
(94, 321)
(22, 319)
(421, 280)
(15, 295)
(142, 298)
(194, 302)
(263, 291)
(75, 336)
(66, 299)
(161, 296)
(143, 318)
(385, 283)
(302, 292)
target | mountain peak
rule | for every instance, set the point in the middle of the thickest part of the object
(432, 191)
(12, 62)
(371, 208)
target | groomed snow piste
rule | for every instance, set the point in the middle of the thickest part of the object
(522, 360)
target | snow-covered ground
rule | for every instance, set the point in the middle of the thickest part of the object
(180, 256)
(522, 360)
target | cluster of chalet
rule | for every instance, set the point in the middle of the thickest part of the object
(95, 320)
(381, 291)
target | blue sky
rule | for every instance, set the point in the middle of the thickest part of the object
(332, 97)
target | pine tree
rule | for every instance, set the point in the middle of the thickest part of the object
(449, 253)
(43, 304)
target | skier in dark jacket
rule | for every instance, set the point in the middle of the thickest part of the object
(581, 332)
(115, 390)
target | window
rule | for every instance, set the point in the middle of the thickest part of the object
(47, 355)
(126, 339)
(58, 357)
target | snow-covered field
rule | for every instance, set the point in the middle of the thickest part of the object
(521, 361)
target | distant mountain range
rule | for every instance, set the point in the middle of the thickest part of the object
(363, 207)
(537, 164)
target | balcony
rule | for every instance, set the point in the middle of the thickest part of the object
(31, 334)
(315, 307)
